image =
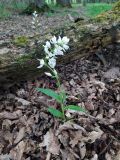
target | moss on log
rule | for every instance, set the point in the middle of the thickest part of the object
(85, 38)
(112, 15)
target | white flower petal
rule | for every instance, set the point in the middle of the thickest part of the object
(58, 51)
(33, 27)
(46, 49)
(52, 62)
(48, 74)
(65, 40)
(42, 62)
(35, 14)
(59, 40)
(66, 47)
(48, 45)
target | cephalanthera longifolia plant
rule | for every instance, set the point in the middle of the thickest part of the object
(52, 49)
(35, 21)
(35, 25)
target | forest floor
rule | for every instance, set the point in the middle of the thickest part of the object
(21, 26)
(29, 132)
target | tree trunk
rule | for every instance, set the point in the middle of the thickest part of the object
(84, 3)
(64, 3)
(39, 3)
(36, 5)
(85, 39)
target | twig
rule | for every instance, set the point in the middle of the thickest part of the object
(104, 149)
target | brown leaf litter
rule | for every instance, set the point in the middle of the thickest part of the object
(29, 132)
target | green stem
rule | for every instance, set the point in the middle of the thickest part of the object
(59, 86)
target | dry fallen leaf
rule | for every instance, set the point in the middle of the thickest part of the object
(108, 156)
(67, 155)
(112, 73)
(77, 135)
(100, 86)
(51, 143)
(117, 156)
(95, 157)
(82, 148)
(92, 136)
(69, 125)
(20, 135)
(12, 116)
(17, 152)
(23, 101)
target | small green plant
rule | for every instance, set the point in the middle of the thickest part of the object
(35, 21)
(21, 41)
(54, 48)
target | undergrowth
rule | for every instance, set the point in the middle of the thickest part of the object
(91, 9)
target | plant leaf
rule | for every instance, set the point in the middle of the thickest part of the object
(75, 108)
(50, 93)
(55, 112)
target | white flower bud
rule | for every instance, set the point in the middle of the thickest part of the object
(48, 74)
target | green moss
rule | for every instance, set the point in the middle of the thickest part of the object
(116, 7)
(21, 41)
(111, 15)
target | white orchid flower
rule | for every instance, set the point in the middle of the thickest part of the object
(35, 14)
(48, 53)
(52, 62)
(42, 62)
(48, 74)
(52, 49)
(48, 45)
(66, 47)
(59, 40)
(33, 22)
(46, 49)
(65, 40)
(57, 51)
(59, 47)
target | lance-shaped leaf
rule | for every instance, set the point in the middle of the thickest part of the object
(55, 112)
(50, 93)
(75, 108)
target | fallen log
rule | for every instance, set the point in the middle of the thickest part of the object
(85, 38)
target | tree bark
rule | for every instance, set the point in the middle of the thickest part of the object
(36, 5)
(39, 3)
(85, 39)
